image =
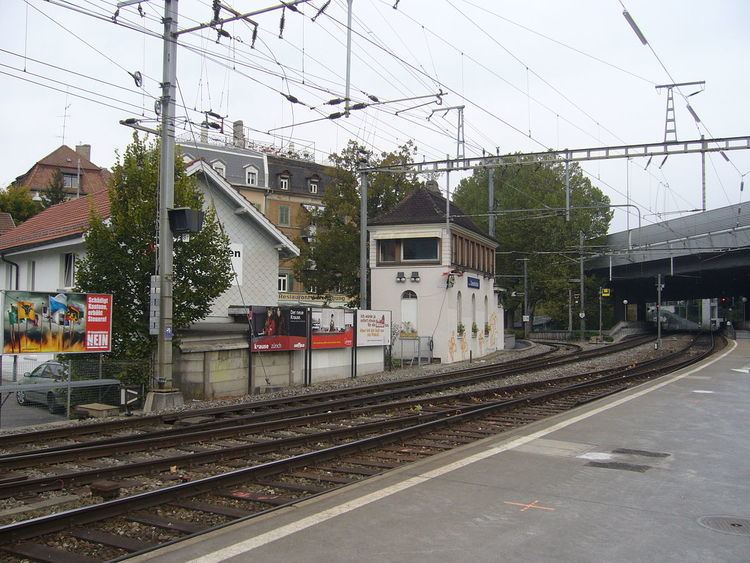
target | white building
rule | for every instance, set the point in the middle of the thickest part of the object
(437, 278)
(41, 255)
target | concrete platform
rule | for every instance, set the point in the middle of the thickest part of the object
(627, 479)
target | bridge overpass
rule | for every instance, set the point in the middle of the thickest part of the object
(701, 256)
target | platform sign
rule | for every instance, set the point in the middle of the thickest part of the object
(279, 329)
(332, 328)
(373, 328)
(606, 292)
(42, 323)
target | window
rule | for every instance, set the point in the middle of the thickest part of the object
(70, 180)
(251, 176)
(388, 250)
(221, 170)
(283, 182)
(284, 215)
(459, 310)
(69, 269)
(420, 249)
(283, 282)
(409, 313)
(473, 310)
(313, 186)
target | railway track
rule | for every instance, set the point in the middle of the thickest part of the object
(229, 415)
(318, 454)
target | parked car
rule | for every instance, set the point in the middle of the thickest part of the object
(51, 377)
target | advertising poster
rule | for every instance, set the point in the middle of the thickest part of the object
(373, 328)
(278, 329)
(332, 328)
(38, 322)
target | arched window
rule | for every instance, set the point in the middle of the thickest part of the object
(473, 311)
(409, 312)
(459, 311)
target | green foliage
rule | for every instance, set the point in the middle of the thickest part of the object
(17, 201)
(533, 227)
(121, 253)
(55, 192)
(331, 262)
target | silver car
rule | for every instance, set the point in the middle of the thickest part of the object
(46, 376)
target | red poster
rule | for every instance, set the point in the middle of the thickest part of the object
(98, 322)
(343, 339)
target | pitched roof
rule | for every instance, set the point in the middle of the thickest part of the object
(65, 159)
(6, 222)
(424, 206)
(200, 166)
(61, 221)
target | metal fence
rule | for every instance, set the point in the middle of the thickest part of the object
(412, 350)
(41, 389)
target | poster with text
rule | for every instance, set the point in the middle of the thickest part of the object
(332, 328)
(373, 328)
(40, 322)
(279, 329)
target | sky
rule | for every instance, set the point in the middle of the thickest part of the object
(531, 76)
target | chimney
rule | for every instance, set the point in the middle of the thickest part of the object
(238, 130)
(432, 186)
(84, 151)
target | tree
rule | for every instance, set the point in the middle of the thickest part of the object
(121, 252)
(330, 263)
(531, 224)
(55, 192)
(17, 201)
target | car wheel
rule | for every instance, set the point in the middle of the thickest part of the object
(21, 398)
(52, 406)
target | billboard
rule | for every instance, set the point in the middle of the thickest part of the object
(42, 323)
(278, 329)
(332, 328)
(373, 328)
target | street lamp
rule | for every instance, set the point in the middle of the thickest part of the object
(625, 303)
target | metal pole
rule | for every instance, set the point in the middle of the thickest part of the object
(78, 179)
(363, 241)
(582, 313)
(348, 56)
(525, 299)
(570, 310)
(658, 311)
(703, 173)
(600, 314)
(567, 189)
(166, 193)
(491, 201)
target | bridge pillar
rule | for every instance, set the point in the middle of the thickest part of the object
(641, 312)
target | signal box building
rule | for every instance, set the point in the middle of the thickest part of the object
(437, 278)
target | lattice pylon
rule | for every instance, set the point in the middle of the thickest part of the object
(670, 123)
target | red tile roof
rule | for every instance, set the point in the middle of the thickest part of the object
(6, 222)
(65, 159)
(61, 221)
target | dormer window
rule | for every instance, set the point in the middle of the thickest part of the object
(312, 184)
(220, 168)
(251, 176)
(284, 182)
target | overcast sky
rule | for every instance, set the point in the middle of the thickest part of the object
(527, 73)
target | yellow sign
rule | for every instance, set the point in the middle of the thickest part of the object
(605, 292)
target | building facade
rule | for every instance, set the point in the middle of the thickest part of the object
(437, 278)
(286, 190)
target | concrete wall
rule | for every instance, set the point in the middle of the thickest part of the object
(208, 369)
